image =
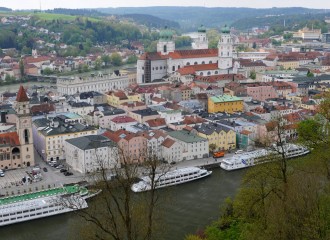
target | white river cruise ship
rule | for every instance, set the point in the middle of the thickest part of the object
(250, 159)
(171, 178)
(45, 203)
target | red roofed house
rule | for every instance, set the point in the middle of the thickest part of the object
(171, 150)
(166, 61)
(157, 123)
(132, 147)
(121, 122)
(16, 148)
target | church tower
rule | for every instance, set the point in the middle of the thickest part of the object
(24, 127)
(225, 49)
(166, 44)
(201, 42)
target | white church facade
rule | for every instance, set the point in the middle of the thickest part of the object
(166, 61)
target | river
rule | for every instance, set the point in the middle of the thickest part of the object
(193, 206)
(15, 87)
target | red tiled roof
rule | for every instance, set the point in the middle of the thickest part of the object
(193, 120)
(181, 54)
(37, 59)
(21, 95)
(189, 70)
(43, 108)
(10, 138)
(195, 53)
(168, 142)
(123, 119)
(158, 122)
(215, 78)
(245, 132)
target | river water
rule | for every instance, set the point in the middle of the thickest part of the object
(193, 206)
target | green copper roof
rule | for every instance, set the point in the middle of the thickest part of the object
(41, 194)
(166, 34)
(225, 98)
(186, 136)
(225, 29)
(202, 29)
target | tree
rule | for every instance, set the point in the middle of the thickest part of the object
(9, 78)
(47, 71)
(116, 59)
(253, 75)
(21, 68)
(132, 59)
(310, 74)
(106, 59)
(119, 213)
(212, 147)
(85, 68)
(98, 64)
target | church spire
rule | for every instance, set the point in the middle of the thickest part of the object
(21, 95)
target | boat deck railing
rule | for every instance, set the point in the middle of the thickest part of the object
(40, 194)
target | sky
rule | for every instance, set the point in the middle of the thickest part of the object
(50, 4)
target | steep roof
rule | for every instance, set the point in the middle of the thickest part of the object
(168, 142)
(21, 95)
(10, 138)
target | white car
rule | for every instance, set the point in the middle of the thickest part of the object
(239, 151)
(2, 174)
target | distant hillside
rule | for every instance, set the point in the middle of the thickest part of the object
(150, 21)
(190, 18)
(292, 22)
(4, 9)
(76, 12)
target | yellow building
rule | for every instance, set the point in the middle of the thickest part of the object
(116, 98)
(225, 103)
(288, 64)
(222, 137)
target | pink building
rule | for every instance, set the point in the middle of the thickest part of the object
(132, 147)
(261, 91)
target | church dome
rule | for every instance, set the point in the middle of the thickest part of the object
(166, 34)
(225, 29)
(202, 29)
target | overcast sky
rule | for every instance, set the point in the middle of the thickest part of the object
(49, 4)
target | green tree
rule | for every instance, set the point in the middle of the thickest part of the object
(21, 68)
(47, 71)
(116, 59)
(310, 74)
(132, 59)
(106, 59)
(98, 64)
(253, 75)
(85, 68)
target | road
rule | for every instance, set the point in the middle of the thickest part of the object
(54, 178)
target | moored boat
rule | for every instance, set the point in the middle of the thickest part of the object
(170, 178)
(250, 159)
(45, 203)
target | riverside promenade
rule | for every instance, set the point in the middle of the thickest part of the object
(54, 178)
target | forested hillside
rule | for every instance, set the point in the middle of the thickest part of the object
(190, 18)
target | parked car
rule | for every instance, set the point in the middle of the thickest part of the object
(55, 165)
(239, 151)
(63, 170)
(2, 174)
(59, 166)
(45, 169)
(68, 173)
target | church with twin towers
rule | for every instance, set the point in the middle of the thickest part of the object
(153, 66)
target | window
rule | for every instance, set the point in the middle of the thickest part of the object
(165, 49)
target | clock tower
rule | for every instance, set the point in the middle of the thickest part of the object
(24, 127)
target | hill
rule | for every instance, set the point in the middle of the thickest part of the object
(190, 18)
